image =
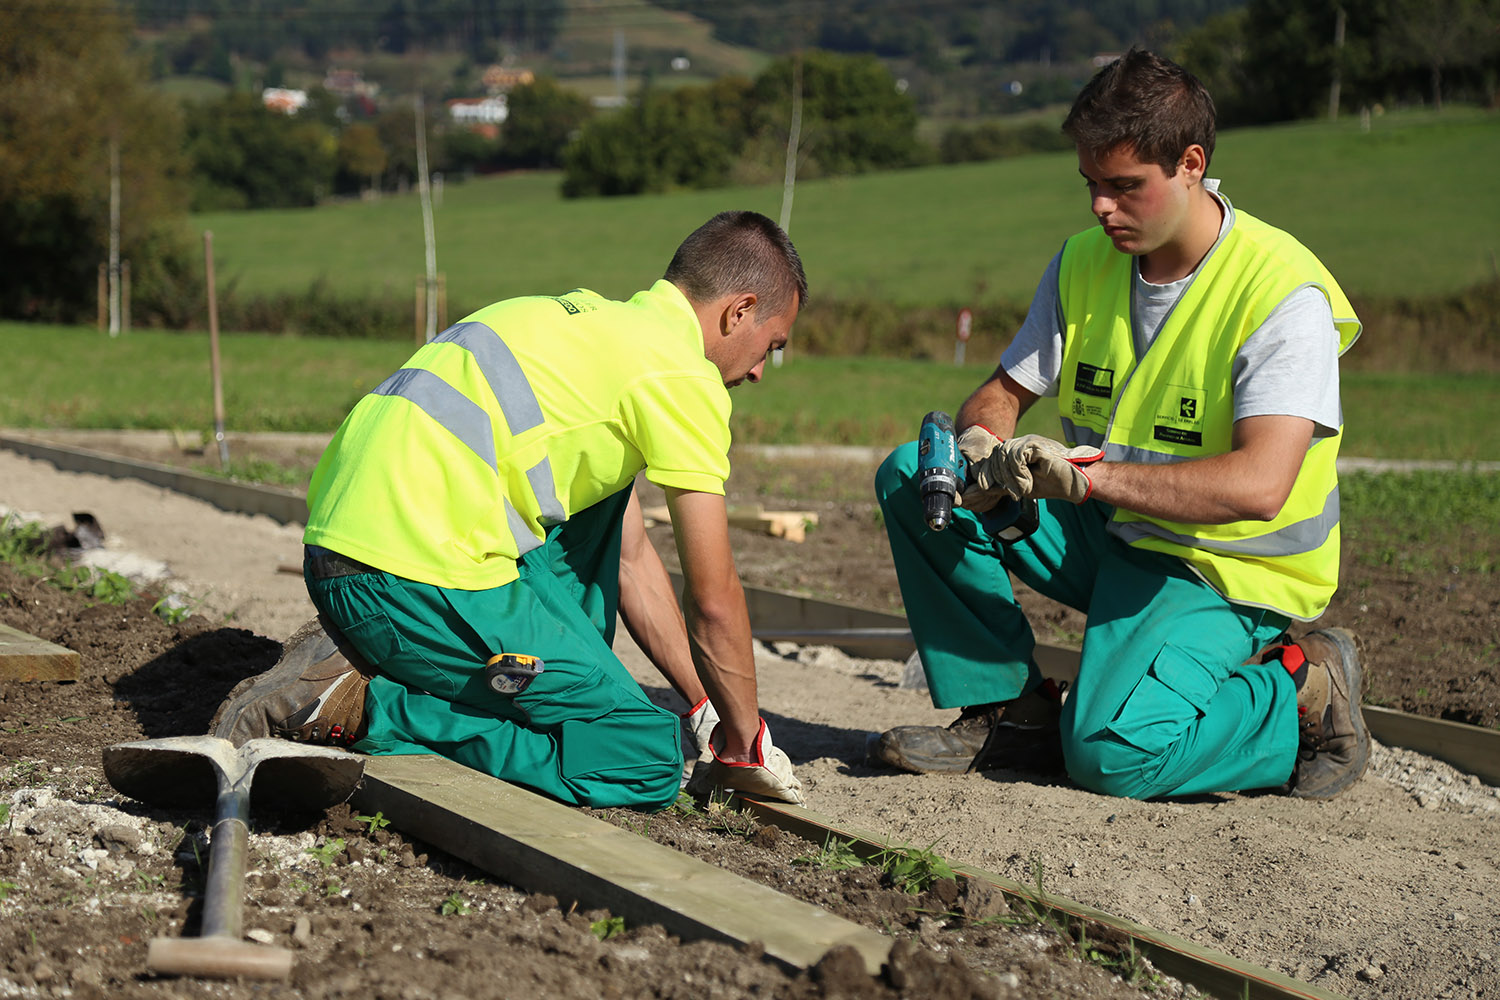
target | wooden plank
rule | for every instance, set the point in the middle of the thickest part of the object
(1471, 749)
(1214, 973)
(542, 846)
(26, 658)
(789, 524)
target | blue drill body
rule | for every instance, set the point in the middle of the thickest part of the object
(942, 472)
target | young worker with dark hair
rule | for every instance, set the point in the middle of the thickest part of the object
(477, 508)
(1190, 510)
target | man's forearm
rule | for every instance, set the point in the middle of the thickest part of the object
(725, 659)
(1251, 482)
(1202, 491)
(718, 624)
(996, 405)
(648, 605)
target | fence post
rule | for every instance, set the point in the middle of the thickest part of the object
(124, 296)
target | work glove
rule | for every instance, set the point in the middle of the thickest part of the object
(698, 725)
(1044, 469)
(769, 776)
(988, 484)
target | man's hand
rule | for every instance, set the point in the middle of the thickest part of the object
(1044, 469)
(769, 775)
(989, 481)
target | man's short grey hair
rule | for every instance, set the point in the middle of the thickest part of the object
(738, 252)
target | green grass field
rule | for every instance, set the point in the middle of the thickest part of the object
(1404, 209)
(77, 377)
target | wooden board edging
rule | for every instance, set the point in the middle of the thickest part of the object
(1216, 974)
(1472, 749)
(543, 846)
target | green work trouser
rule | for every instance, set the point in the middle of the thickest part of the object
(1164, 703)
(582, 732)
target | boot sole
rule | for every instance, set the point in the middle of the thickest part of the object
(306, 649)
(884, 751)
(1354, 674)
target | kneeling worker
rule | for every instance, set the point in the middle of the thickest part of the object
(477, 508)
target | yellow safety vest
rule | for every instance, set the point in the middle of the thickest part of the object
(1176, 403)
(513, 419)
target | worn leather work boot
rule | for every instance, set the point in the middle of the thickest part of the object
(1020, 733)
(314, 694)
(1334, 744)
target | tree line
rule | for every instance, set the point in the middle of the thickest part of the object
(76, 108)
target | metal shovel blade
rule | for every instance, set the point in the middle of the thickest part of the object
(181, 770)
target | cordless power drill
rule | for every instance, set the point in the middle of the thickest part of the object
(942, 473)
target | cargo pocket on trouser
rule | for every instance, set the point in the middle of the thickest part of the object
(395, 657)
(615, 748)
(1139, 756)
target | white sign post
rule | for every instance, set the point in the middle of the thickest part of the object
(965, 325)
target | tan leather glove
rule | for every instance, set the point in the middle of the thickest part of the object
(1044, 469)
(698, 725)
(769, 776)
(988, 477)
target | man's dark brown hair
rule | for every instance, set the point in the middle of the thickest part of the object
(740, 252)
(1146, 103)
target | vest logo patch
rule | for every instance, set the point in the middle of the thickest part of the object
(1188, 408)
(1177, 435)
(1092, 380)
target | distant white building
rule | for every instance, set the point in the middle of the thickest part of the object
(288, 102)
(473, 111)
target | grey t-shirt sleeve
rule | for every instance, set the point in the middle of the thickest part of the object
(1289, 367)
(1034, 357)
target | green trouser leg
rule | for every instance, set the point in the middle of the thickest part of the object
(582, 732)
(1163, 704)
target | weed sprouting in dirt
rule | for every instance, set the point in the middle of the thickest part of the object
(455, 905)
(327, 852)
(607, 927)
(913, 870)
(373, 823)
(835, 856)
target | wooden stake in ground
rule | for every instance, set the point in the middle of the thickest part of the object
(213, 349)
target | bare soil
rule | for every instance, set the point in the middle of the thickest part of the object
(1385, 892)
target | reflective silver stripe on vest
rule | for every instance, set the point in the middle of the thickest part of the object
(1144, 456)
(1082, 435)
(501, 370)
(1297, 537)
(543, 486)
(455, 412)
(520, 530)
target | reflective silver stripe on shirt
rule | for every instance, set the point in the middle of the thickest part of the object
(545, 489)
(501, 370)
(455, 412)
(520, 530)
(1298, 537)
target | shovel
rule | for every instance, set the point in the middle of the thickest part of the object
(182, 770)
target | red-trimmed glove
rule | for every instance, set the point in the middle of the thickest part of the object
(989, 479)
(769, 776)
(1044, 469)
(698, 725)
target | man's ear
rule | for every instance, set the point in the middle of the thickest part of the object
(1194, 161)
(739, 309)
